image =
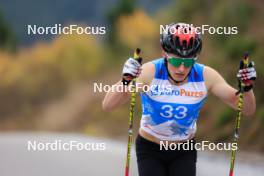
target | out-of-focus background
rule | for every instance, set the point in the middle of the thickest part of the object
(46, 81)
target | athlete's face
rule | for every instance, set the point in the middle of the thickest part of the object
(179, 67)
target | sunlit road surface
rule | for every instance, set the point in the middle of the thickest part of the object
(17, 160)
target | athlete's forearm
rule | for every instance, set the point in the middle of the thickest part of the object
(249, 106)
(115, 98)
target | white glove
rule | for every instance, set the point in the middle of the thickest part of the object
(247, 75)
(131, 70)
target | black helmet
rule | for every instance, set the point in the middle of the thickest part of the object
(181, 39)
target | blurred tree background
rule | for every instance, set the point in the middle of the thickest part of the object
(49, 85)
(7, 37)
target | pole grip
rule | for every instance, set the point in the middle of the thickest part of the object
(245, 60)
(136, 57)
(243, 64)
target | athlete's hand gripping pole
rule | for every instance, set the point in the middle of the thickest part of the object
(132, 68)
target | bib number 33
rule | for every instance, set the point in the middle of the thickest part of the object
(179, 112)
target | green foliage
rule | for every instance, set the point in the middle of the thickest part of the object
(232, 13)
(187, 10)
(220, 13)
(123, 7)
(224, 117)
(237, 45)
(260, 114)
(44, 72)
(7, 38)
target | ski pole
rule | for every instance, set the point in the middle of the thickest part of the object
(131, 115)
(239, 113)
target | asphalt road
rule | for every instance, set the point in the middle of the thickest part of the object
(106, 159)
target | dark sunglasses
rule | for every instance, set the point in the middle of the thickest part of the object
(176, 62)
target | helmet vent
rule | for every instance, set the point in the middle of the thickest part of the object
(191, 43)
(177, 41)
(184, 43)
(185, 31)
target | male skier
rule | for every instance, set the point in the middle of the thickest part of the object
(170, 108)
